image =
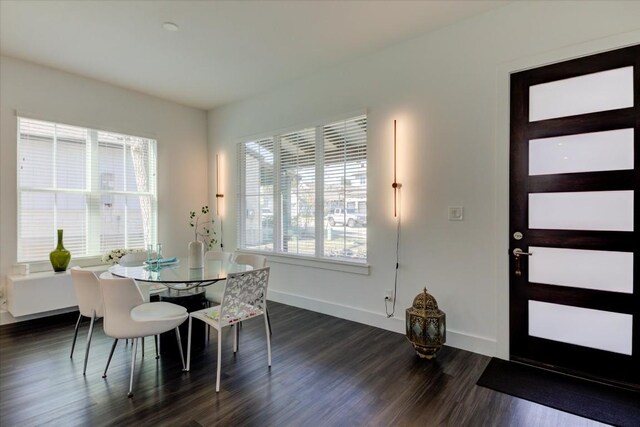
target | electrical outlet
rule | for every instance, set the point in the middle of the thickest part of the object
(388, 295)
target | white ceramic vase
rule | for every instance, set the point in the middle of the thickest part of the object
(196, 254)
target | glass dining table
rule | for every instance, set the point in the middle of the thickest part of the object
(178, 276)
(175, 282)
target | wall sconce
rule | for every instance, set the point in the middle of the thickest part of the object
(218, 197)
(218, 194)
(395, 184)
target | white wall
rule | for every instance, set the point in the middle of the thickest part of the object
(50, 94)
(449, 92)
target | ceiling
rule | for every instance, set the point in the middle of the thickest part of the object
(224, 51)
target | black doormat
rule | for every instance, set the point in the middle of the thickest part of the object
(600, 402)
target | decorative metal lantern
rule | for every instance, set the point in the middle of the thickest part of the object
(426, 325)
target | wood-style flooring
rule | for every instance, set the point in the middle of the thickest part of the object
(326, 372)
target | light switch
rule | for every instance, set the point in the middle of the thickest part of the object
(456, 213)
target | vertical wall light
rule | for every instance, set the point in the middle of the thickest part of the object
(219, 196)
(395, 184)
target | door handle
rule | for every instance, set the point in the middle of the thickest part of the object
(517, 252)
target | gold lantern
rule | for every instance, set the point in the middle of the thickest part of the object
(426, 325)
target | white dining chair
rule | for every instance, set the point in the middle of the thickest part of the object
(215, 291)
(255, 261)
(145, 290)
(245, 297)
(89, 298)
(135, 259)
(126, 315)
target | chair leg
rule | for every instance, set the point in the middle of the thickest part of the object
(266, 325)
(235, 338)
(75, 335)
(208, 326)
(180, 347)
(143, 347)
(189, 345)
(133, 365)
(155, 339)
(86, 353)
(268, 320)
(219, 359)
(113, 347)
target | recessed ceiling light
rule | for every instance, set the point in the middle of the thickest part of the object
(170, 26)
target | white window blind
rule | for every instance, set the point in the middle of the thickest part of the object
(255, 214)
(298, 191)
(316, 203)
(99, 187)
(345, 187)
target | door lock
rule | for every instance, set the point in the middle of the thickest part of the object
(517, 252)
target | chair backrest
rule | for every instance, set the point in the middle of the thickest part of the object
(120, 297)
(145, 288)
(255, 261)
(87, 289)
(134, 259)
(217, 256)
(242, 290)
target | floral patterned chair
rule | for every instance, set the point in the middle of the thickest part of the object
(245, 297)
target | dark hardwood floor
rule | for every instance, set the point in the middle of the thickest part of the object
(326, 372)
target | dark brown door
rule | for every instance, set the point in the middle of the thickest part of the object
(574, 216)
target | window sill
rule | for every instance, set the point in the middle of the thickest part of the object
(323, 264)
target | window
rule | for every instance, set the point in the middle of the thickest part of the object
(99, 187)
(305, 192)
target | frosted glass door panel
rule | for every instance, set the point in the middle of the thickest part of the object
(606, 90)
(587, 210)
(579, 268)
(587, 152)
(599, 329)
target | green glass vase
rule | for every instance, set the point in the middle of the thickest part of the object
(60, 257)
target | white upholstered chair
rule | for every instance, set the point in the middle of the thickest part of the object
(126, 315)
(87, 290)
(255, 261)
(245, 297)
(134, 259)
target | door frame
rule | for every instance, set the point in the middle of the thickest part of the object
(502, 154)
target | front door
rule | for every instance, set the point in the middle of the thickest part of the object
(575, 215)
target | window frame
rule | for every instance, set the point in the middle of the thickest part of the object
(318, 260)
(91, 191)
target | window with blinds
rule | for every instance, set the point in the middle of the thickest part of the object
(99, 187)
(345, 188)
(305, 192)
(255, 213)
(298, 191)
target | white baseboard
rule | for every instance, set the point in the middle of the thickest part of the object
(455, 339)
